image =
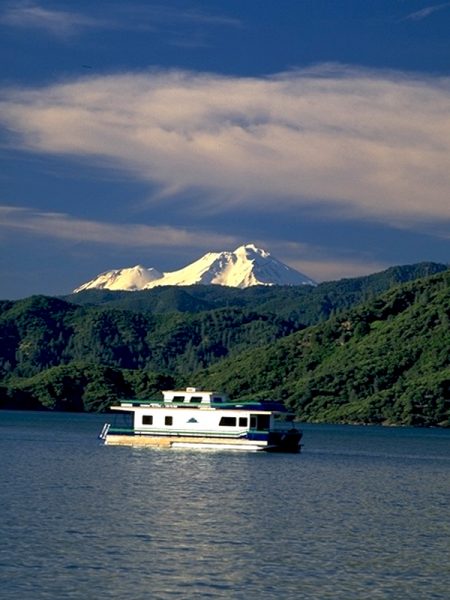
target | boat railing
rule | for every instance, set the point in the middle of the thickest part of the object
(104, 432)
(247, 405)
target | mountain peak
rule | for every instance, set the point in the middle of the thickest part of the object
(250, 250)
(247, 266)
(132, 278)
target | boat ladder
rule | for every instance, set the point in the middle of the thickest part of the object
(104, 432)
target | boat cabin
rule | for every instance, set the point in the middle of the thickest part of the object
(194, 416)
(194, 396)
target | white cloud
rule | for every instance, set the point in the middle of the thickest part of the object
(65, 227)
(348, 142)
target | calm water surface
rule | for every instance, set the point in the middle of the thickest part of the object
(362, 513)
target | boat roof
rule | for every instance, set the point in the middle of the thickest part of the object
(192, 397)
(256, 406)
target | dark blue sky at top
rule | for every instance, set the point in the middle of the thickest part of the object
(233, 38)
(253, 38)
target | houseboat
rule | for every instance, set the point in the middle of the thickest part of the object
(203, 419)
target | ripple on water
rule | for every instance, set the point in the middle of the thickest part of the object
(362, 513)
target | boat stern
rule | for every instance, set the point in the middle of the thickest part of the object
(284, 441)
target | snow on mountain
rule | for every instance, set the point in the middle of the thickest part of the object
(245, 267)
(133, 278)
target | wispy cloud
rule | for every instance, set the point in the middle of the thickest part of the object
(306, 258)
(418, 15)
(66, 227)
(318, 261)
(157, 14)
(344, 142)
(136, 17)
(325, 269)
(28, 15)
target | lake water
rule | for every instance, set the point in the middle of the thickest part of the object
(362, 513)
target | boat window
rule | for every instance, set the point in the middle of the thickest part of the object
(147, 420)
(263, 422)
(260, 422)
(178, 399)
(243, 421)
(217, 399)
(228, 422)
(195, 399)
(168, 420)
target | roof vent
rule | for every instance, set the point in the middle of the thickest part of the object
(191, 389)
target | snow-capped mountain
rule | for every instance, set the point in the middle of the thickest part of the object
(134, 278)
(246, 266)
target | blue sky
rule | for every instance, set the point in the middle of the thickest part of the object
(151, 133)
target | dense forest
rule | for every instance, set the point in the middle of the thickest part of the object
(386, 361)
(365, 350)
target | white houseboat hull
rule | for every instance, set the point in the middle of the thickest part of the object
(184, 442)
(206, 420)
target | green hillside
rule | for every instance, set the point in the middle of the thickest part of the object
(63, 356)
(306, 304)
(386, 360)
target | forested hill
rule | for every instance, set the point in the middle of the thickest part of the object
(385, 361)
